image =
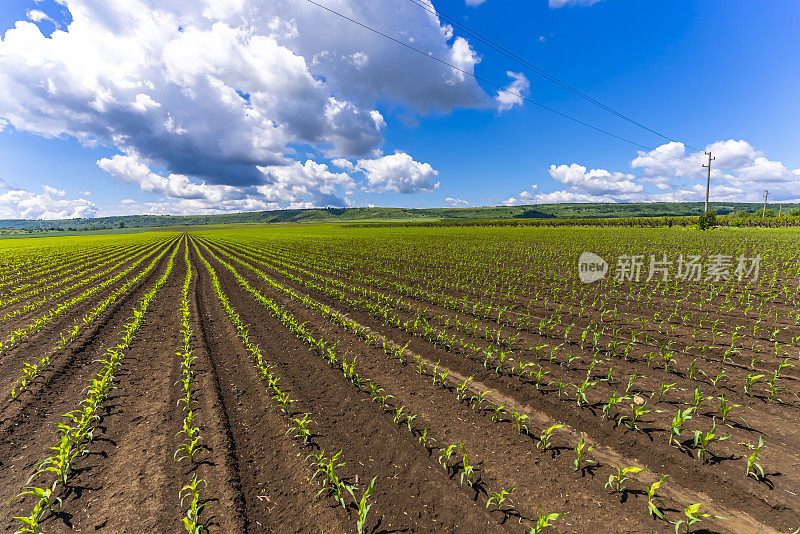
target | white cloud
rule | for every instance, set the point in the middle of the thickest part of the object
(514, 92)
(310, 183)
(52, 204)
(132, 170)
(555, 4)
(398, 173)
(344, 164)
(525, 197)
(456, 202)
(474, 2)
(739, 173)
(215, 90)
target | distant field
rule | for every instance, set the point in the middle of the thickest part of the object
(538, 212)
(269, 371)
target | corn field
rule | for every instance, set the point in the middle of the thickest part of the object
(401, 379)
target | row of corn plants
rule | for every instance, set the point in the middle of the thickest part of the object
(30, 370)
(299, 424)
(77, 432)
(191, 440)
(22, 333)
(453, 457)
(116, 263)
(64, 271)
(477, 401)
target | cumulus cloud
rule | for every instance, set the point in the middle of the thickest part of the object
(219, 91)
(398, 173)
(132, 170)
(555, 4)
(525, 197)
(739, 173)
(51, 204)
(456, 202)
(309, 184)
(514, 92)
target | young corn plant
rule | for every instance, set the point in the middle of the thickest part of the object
(703, 439)
(461, 389)
(637, 411)
(425, 440)
(477, 399)
(725, 408)
(300, 428)
(750, 381)
(468, 471)
(543, 522)
(446, 453)
(331, 483)
(580, 450)
(616, 480)
(692, 515)
(653, 502)
(499, 498)
(519, 419)
(677, 423)
(546, 436)
(362, 504)
(498, 412)
(46, 501)
(191, 491)
(754, 469)
(663, 389)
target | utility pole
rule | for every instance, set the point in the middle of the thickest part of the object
(708, 178)
(780, 209)
(764, 211)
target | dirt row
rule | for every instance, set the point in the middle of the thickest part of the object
(256, 478)
(757, 499)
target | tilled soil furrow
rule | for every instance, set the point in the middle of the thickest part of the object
(683, 469)
(123, 484)
(412, 491)
(26, 428)
(262, 472)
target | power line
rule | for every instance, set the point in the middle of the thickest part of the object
(494, 85)
(522, 61)
(544, 74)
(516, 94)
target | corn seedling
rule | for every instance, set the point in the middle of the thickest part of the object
(499, 498)
(653, 501)
(192, 520)
(725, 408)
(543, 522)
(616, 481)
(754, 469)
(692, 515)
(546, 435)
(580, 450)
(519, 419)
(704, 439)
(362, 504)
(300, 429)
(677, 423)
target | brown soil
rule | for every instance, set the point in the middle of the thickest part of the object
(258, 479)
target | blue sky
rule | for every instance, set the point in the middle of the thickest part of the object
(402, 130)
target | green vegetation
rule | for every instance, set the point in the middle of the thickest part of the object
(629, 214)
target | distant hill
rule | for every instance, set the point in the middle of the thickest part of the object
(535, 211)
